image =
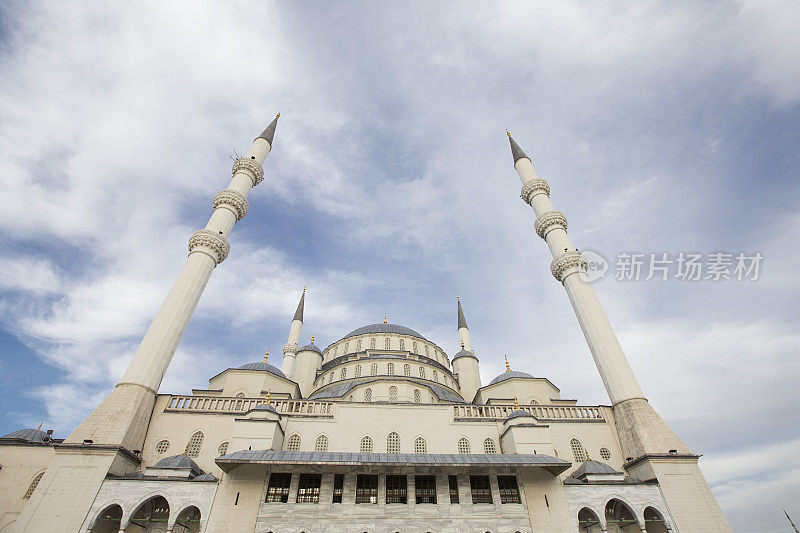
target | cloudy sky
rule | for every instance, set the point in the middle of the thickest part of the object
(661, 128)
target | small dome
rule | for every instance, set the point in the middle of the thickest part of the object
(179, 462)
(593, 467)
(383, 328)
(206, 477)
(311, 348)
(28, 435)
(261, 365)
(511, 374)
(518, 413)
(465, 353)
(264, 407)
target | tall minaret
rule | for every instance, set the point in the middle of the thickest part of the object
(651, 448)
(463, 330)
(110, 438)
(291, 346)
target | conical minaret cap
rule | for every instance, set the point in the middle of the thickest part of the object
(298, 315)
(269, 133)
(516, 151)
(462, 322)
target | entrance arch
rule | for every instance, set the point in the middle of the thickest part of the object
(588, 521)
(108, 521)
(620, 518)
(152, 516)
(654, 521)
(188, 520)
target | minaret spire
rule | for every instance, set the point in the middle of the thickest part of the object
(269, 132)
(516, 151)
(292, 344)
(463, 330)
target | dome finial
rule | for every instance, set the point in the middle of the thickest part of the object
(266, 355)
(508, 367)
(312, 338)
(385, 319)
(40, 425)
(516, 404)
(462, 344)
(266, 398)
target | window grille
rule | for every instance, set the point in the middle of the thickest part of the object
(390, 369)
(417, 396)
(33, 486)
(372, 342)
(509, 491)
(366, 488)
(293, 444)
(577, 450)
(366, 445)
(346, 348)
(420, 446)
(194, 444)
(480, 489)
(414, 347)
(330, 377)
(533, 401)
(406, 370)
(240, 395)
(308, 488)
(605, 453)
(393, 394)
(488, 446)
(435, 376)
(358, 345)
(358, 371)
(278, 488)
(393, 443)
(338, 488)
(335, 349)
(463, 445)
(425, 489)
(426, 351)
(162, 446)
(402, 345)
(322, 444)
(373, 369)
(368, 395)
(386, 344)
(343, 373)
(422, 372)
(452, 482)
(396, 489)
(223, 448)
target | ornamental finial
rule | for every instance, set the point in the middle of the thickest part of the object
(508, 367)
(266, 355)
(508, 133)
(266, 398)
(516, 404)
(40, 425)
(385, 319)
(312, 338)
(462, 344)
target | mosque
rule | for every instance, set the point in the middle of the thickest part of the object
(379, 432)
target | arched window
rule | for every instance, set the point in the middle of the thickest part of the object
(33, 485)
(162, 446)
(240, 395)
(223, 448)
(373, 369)
(393, 443)
(390, 369)
(420, 446)
(366, 445)
(406, 370)
(463, 445)
(346, 348)
(335, 349)
(358, 345)
(427, 353)
(417, 396)
(358, 371)
(435, 376)
(372, 342)
(488, 446)
(368, 395)
(414, 347)
(605, 453)
(422, 372)
(402, 344)
(330, 377)
(533, 401)
(393, 394)
(322, 444)
(577, 450)
(343, 373)
(386, 344)
(194, 444)
(293, 443)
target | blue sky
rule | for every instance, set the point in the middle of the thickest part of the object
(660, 127)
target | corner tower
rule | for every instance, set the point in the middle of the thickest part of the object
(651, 448)
(111, 437)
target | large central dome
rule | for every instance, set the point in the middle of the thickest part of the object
(384, 328)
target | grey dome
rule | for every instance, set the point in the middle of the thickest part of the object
(310, 348)
(384, 328)
(465, 353)
(511, 374)
(518, 413)
(206, 477)
(179, 462)
(261, 365)
(593, 467)
(264, 407)
(28, 435)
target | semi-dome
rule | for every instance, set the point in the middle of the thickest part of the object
(28, 435)
(261, 365)
(511, 374)
(518, 413)
(384, 328)
(310, 348)
(264, 407)
(465, 353)
(179, 462)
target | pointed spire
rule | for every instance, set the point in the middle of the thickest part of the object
(269, 133)
(462, 322)
(516, 151)
(508, 367)
(298, 315)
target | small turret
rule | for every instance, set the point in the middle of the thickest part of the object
(291, 346)
(465, 363)
(309, 360)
